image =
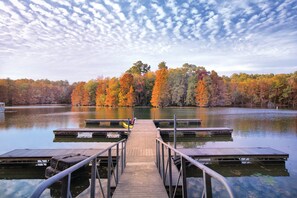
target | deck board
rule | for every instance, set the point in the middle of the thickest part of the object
(141, 177)
(43, 154)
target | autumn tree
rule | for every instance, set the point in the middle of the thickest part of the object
(78, 94)
(101, 92)
(112, 92)
(126, 82)
(159, 94)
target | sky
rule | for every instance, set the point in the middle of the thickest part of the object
(80, 40)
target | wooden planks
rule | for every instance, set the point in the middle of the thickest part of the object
(141, 177)
(196, 131)
(21, 156)
(110, 121)
(240, 155)
(95, 131)
(179, 121)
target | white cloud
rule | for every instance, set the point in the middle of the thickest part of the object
(85, 33)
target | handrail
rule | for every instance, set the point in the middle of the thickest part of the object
(207, 172)
(67, 172)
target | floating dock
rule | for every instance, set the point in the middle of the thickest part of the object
(195, 131)
(159, 122)
(95, 132)
(263, 155)
(106, 122)
(42, 156)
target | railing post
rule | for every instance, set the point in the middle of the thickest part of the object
(122, 157)
(158, 156)
(109, 173)
(170, 173)
(93, 178)
(163, 163)
(117, 165)
(207, 185)
(184, 175)
(65, 187)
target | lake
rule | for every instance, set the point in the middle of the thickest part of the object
(32, 127)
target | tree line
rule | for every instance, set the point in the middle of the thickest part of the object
(31, 92)
(188, 85)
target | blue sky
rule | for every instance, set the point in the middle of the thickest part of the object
(80, 40)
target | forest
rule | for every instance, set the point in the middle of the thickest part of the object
(31, 92)
(188, 85)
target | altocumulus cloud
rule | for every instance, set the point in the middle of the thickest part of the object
(81, 39)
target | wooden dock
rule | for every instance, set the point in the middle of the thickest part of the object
(73, 132)
(41, 156)
(159, 122)
(141, 177)
(195, 131)
(106, 122)
(236, 155)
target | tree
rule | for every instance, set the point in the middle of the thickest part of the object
(202, 97)
(77, 94)
(101, 92)
(139, 68)
(126, 81)
(159, 94)
(112, 93)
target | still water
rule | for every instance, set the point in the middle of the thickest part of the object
(32, 127)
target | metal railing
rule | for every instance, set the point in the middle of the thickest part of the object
(166, 170)
(65, 176)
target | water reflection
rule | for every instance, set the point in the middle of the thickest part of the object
(33, 128)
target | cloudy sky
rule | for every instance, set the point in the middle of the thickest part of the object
(82, 39)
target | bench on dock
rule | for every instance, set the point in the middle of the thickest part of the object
(247, 155)
(159, 122)
(195, 131)
(96, 132)
(42, 156)
(106, 122)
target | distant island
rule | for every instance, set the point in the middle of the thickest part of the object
(189, 85)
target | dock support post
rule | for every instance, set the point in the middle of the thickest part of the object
(93, 178)
(163, 162)
(184, 175)
(170, 173)
(122, 157)
(207, 185)
(65, 188)
(117, 165)
(109, 173)
(174, 131)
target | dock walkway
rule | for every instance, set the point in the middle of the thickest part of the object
(141, 177)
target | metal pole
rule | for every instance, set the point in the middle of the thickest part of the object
(117, 169)
(93, 178)
(174, 132)
(122, 157)
(170, 173)
(184, 175)
(207, 185)
(163, 166)
(109, 173)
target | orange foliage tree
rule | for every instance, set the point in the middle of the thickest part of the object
(202, 97)
(126, 82)
(159, 89)
(112, 92)
(78, 94)
(101, 92)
